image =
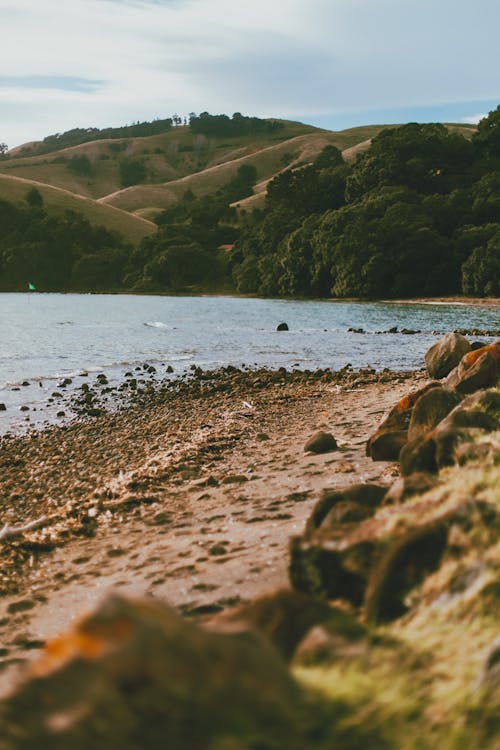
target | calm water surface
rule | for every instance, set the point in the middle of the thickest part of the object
(46, 336)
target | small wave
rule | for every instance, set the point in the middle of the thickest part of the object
(156, 324)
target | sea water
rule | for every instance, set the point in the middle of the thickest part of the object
(44, 337)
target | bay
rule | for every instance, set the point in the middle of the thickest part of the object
(44, 337)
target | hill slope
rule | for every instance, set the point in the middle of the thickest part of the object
(57, 201)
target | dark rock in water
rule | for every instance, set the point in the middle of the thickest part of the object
(321, 442)
(404, 565)
(282, 327)
(24, 408)
(3, 407)
(394, 329)
(405, 487)
(135, 675)
(366, 495)
(430, 409)
(409, 331)
(61, 414)
(169, 369)
(392, 434)
(477, 345)
(478, 369)
(25, 383)
(356, 330)
(445, 354)
(95, 412)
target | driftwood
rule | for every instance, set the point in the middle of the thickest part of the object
(9, 532)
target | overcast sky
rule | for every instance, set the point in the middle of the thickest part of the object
(333, 63)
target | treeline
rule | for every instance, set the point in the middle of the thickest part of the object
(190, 249)
(76, 136)
(58, 253)
(237, 125)
(416, 214)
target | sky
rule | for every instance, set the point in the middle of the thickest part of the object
(331, 63)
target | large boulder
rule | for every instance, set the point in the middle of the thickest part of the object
(445, 354)
(392, 434)
(284, 617)
(476, 415)
(431, 408)
(476, 370)
(135, 675)
(367, 496)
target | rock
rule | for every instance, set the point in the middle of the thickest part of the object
(134, 674)
(479, 412)
(283, 617)
(403, 566)
(478, 369)
(405, 487)
(3, 407)
(330, 565)
(341, 635)
(445, 354)
(490, 677)
(365, 495)
(321, 442)
(430, 409)
(392, 434)
(348, 512)
(282, 327)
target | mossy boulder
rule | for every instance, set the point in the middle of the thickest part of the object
(134, 674)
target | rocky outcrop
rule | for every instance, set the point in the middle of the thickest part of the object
(445, 354)
(392, 434)
(476, 370)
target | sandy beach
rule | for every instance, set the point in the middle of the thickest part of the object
(189, 496)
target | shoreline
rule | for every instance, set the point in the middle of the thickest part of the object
(450, 300)
(210, 475)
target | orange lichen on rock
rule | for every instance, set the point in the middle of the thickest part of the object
(88, 641)
(472, 357)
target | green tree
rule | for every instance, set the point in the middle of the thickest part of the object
(132, 172)
(34, 198)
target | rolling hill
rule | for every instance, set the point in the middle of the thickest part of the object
(57, 201)
(87, 177)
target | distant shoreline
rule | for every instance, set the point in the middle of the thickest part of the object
(454, 300)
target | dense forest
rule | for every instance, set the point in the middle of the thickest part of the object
(418, 213)
(237, 125)
(57, 253)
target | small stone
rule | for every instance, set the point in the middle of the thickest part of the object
(321, 442)
(282, 327)
(24, 408)
(3, 407)
(23, 605)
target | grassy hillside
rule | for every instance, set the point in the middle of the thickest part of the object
(57, 201)
(166, 156)
(174, 162)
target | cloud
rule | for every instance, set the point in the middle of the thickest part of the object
(57, 83)
(473, 119)
(117, 61)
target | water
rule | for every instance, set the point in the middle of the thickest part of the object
(44, 337)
